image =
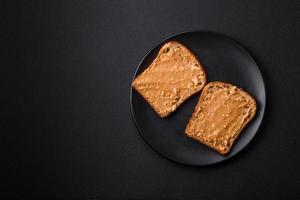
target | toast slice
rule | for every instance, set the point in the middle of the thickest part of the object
(223, 110)
(173, 76)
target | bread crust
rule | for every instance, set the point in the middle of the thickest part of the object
(218, 119)
(173, 76)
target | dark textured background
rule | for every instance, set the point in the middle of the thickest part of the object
(65, 124)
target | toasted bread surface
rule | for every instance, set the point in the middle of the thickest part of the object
(173, 76)
(221, 113)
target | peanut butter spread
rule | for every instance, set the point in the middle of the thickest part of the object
(222, 112)
(173, 76)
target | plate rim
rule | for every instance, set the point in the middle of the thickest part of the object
(224, 36)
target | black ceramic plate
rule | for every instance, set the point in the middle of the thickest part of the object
(224, 60)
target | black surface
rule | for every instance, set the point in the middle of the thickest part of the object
(224, 60)
(65, 124)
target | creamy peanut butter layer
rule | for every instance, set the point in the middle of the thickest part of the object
(173, 76)
(222, 112)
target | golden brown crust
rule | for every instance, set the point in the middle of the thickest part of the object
(220, 115)
(173, 76)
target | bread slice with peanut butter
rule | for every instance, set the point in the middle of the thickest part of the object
(173, 76)
(221, 113)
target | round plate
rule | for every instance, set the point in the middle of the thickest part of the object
(223, 60)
